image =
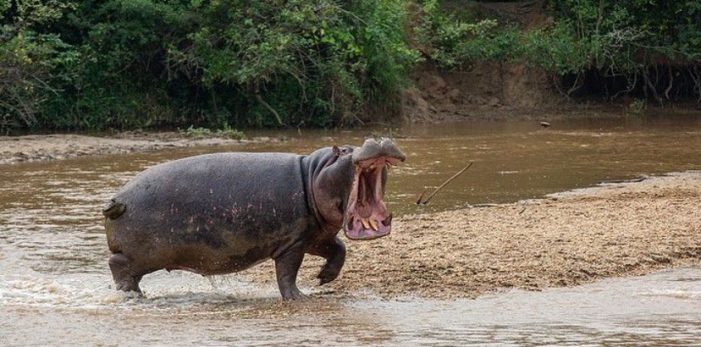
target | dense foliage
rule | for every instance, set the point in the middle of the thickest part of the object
(87, 64)
(647, 46)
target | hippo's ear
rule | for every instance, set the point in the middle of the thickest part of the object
(336, 150)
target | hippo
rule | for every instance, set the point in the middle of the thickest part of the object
(225, 212)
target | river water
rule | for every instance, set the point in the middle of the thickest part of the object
(55, 284)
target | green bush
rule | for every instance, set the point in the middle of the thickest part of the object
(457, 42)
(143, 63)
(624, 39)
(28, 60)
(300, 62)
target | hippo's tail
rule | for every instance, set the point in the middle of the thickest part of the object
(114, 209)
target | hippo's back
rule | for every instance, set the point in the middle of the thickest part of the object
(214, 174)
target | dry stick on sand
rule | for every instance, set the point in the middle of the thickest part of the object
(430, 196)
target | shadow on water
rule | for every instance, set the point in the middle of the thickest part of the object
(54, 278)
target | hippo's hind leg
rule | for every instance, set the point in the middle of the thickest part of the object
(126, 277)
(286, 267)
(335, 253)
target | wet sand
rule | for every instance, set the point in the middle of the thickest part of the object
(565, 240)
(15, 149)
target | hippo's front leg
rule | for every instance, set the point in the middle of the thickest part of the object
(335, 253)
(286, 267)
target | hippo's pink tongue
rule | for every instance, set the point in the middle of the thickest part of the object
(366, 216)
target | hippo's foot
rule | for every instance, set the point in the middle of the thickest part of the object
(294, 294)
(286, 267)
(328, 273)
(124, 277)
(335, 253)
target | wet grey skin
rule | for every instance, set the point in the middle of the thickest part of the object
(222, 213)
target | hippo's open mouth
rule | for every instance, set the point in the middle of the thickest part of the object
(367, 216)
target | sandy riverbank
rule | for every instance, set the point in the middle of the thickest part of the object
(569, 239)
(15, 149)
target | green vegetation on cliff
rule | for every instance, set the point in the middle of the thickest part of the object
(87, 64)
(84, 64)
(609, 48)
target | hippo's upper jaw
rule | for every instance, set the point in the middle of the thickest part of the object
(366, 214)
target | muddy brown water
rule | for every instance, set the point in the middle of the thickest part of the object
(55, 285)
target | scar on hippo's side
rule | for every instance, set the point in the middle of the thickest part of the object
(114, 209)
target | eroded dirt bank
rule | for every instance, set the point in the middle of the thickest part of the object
(569, 239)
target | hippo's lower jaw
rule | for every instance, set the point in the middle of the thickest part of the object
(366, 216)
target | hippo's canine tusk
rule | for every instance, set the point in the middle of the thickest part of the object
(366, 225)
(373, 224)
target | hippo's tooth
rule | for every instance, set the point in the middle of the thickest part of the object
(373, 224)
(366, 225)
